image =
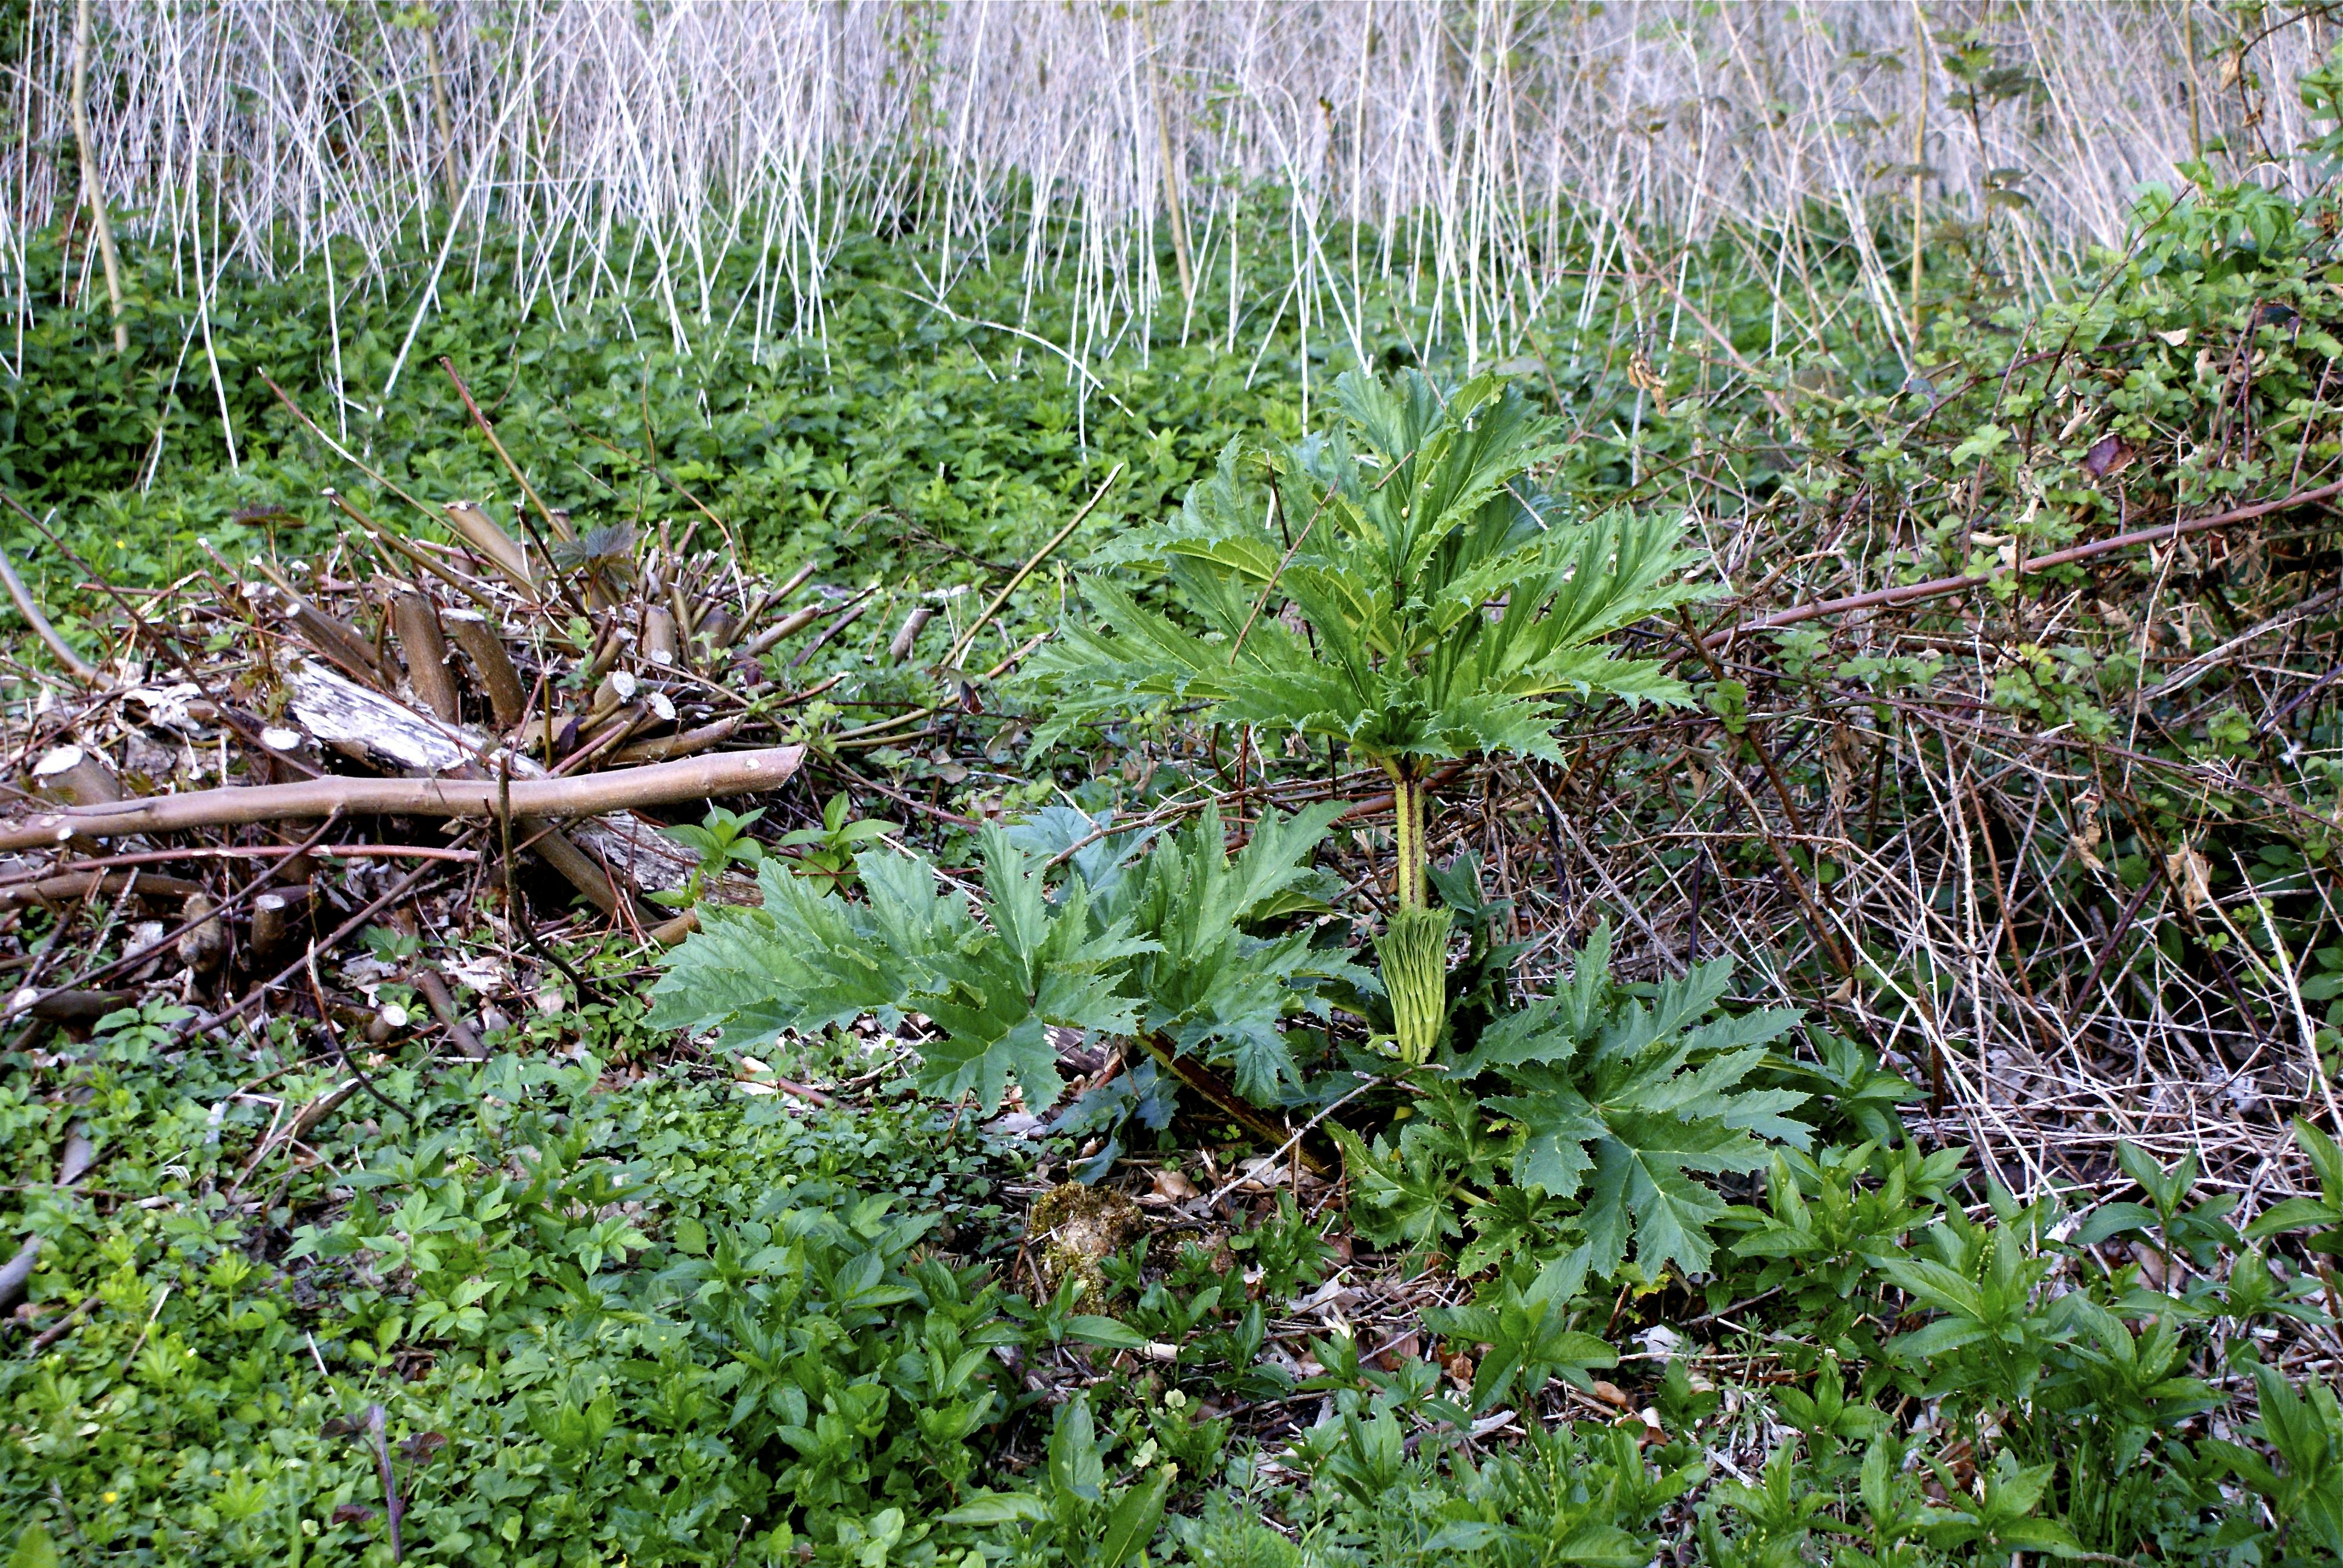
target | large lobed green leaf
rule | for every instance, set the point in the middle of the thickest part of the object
(1624, 1106)
(1400, 586)
(1164, 944)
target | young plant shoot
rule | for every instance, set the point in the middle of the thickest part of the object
(1399, 587)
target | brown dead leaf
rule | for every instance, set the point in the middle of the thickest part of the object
(1611, 1393)
(2191, 873)
(2108, 455)
(1640, 372)
(1172, 1185)
(2089, 831)
(1459, 1368)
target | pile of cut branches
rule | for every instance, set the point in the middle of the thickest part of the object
(272, 756)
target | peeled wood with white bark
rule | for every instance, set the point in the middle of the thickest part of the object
(76, 775)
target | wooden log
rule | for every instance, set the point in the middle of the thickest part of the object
(415, 620)
(329, 635)
(716, 630)
(690, 780)
(276, 915)
(671, 745)
(901, 648)
(76, 775)
(74, 1006)
(579, 869)
(491, 665)
(203, 945)
(435, 995)
(789, 626)
(660, 643)
(480, 531)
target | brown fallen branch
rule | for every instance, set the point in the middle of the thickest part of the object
(1199, 1076)
(174, 886)
(80, 1005)
(435, 995)
(1935, 587)
(68, 885)
(73, 663)
(669, 747)
(587, 795)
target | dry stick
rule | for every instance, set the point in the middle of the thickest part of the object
(16, 889)
(329, 634)
(854, 610)
(1756, 742)
(345, 454)
(90, 189)
(868, 740)
(1290, 1146)
(423, 646)
(618, 790)
(504, 457)
(341, 1047)
(1774, 399)
(1936, 588)
(516, 913)
(378, 535)
(1199, 1076)
(2008, 926)
(73, 663)
(61, 1327)
(53, 886)
(961, 645)
(251, 889)
(967, 638)
(1821, 928)
(161, 638)
(1286, 560)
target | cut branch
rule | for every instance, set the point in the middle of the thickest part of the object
(589, 795)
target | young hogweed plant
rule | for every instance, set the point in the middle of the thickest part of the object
(1398, 586)
(1168, 943)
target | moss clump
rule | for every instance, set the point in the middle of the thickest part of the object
(1073, 1227)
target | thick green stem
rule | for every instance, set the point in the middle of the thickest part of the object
(1407, 812)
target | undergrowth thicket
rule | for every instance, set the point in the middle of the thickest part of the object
(1723, 1268)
